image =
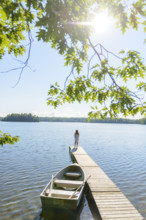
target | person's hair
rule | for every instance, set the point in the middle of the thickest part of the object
(76, 132)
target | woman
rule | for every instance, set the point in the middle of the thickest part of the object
(76, 135)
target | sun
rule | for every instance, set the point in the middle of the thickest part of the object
(102, 22)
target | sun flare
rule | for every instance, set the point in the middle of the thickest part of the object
(102, 22)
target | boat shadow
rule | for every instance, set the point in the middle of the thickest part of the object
(54, 213)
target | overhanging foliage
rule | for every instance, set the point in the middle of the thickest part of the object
(62, 24)
(6, 138)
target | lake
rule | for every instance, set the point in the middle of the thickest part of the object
(27, 166)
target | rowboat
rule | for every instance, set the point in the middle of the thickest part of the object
(65, 189)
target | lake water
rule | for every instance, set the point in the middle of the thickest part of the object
(26, 167)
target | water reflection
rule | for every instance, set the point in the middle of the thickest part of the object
(57, 213)
(52, 213)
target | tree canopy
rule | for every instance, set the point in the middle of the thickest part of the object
(65, 24)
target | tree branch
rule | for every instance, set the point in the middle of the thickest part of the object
(28, 57)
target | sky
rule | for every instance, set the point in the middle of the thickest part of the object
(30, 95)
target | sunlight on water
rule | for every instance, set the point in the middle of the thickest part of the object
(27, 167)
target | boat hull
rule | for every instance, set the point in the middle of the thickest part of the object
(56, 197)
(59, 203)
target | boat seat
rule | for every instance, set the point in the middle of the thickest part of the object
(68, 183)
(72, 174)
(61, 193)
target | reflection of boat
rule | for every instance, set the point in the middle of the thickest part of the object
(65, 189)
(53, 213)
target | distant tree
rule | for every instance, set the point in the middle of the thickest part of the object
(21, 118)
(143, 121)
(85, 120)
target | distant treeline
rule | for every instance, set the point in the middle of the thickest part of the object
(33, 118)
(85, 120)
(21, 118)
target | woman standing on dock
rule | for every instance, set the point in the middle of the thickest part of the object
(76, 135)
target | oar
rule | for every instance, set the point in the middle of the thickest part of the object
(51, 186)
(79, 187)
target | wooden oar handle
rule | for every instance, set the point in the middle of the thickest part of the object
(79, 187)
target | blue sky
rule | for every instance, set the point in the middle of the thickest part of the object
(30, 95)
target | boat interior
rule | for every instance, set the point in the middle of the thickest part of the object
(66, 184)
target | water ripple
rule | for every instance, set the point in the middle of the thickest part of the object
(27, 167)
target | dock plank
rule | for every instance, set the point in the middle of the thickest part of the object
(111, 203)
(85, 160)
(78, 151)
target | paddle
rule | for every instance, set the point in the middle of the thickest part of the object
(79, 187)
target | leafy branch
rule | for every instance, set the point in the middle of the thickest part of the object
(66, 26)
(106, 86)
(114, 98)
(6, 138)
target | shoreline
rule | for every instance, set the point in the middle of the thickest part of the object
(83, 120)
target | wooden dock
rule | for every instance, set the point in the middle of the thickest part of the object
(110, 202)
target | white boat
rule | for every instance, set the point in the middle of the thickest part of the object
(65, 189)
